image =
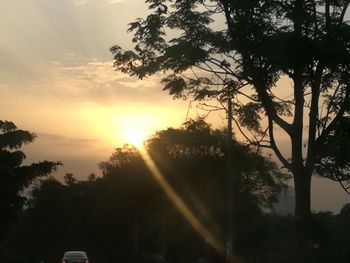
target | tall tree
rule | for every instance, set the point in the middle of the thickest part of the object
(124, 212)
(250, 49)
(192, 159)
(199, 155)
(200, 148)
(15, 177)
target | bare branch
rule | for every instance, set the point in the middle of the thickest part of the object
(345, 8)
(328, 18)
(265, 146)
(271, 111)
(210, 108)
(314, 115)
(274, 146)
(217, 62)
(346, 188)
(247, 96)
(216, 73)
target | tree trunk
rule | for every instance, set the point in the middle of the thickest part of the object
(136, 232)
(302, 182)
(162, 227)
(230, 188)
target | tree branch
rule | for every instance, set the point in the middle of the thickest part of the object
(270, 110)
(329, 108)
(313, 116)
(328, 18)
(333, 123)
(274, 146)
(342, 15)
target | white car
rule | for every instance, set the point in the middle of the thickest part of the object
(75, 257)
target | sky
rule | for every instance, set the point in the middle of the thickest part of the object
(57, 80)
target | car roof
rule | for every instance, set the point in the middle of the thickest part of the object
(75, 254)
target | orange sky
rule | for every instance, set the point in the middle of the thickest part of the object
(57, 80)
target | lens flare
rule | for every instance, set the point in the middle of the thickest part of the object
(180, 204)
(134, 136)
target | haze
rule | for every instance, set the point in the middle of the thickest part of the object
(57, 80)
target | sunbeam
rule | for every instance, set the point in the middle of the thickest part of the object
(180, 204)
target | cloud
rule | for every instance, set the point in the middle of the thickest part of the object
(101, 2)
(93, 81)
(85, 2)
(61, 140)
(81, 2)
(88, 98)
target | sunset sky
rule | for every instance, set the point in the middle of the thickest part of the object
(57, 80)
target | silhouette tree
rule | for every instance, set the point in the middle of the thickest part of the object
(341, 245)
(15, 177)
(198, 155)
(192, 159)
(198, 144)
(249, 50)
(125, 213)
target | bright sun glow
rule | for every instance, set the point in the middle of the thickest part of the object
(134, 136)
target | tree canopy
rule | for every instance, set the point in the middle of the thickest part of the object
(14, 176)
(125, 212)
(201, 148)
(259, 43)
(284, 65)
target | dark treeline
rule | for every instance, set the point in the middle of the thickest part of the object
(87, 215)
(16, 176)
(125, 216)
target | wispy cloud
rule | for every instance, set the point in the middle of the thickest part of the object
(81, 2)
(61, 140)
(94, 81)
(102, 2)
(80, 96)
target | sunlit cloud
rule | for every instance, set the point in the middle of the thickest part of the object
(102, 2)
(92, 100)
(61, 140)
(81, 2)
(92, 81)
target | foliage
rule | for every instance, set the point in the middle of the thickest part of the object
(90, 215)
(201, 148)
(261, 44)
(201, 152)
(126, 213)
(14, 176)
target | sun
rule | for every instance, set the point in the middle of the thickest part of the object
(134, 136)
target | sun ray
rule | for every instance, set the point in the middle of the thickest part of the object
(134, 136)
(180, 205)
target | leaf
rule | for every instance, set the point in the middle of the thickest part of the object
(6, 126)
(16, 138)
(174, 85)
(248, 115)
